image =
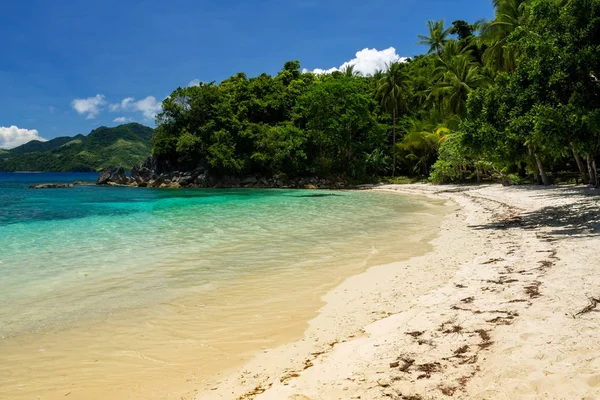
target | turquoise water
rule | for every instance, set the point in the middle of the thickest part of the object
(121, 293)
(73, 254)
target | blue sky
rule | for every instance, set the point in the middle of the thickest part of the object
(71, 66)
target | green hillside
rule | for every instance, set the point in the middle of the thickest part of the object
(124, 145)
(35, 146)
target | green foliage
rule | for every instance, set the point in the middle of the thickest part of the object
(513, 96)
(124, 145)
(438, 36)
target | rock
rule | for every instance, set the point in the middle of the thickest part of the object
(104, 176)
(189, 178)
(119, 176)
(310, 186)
(200, 180)
(251, 180)
(136, 175)
(394, 364)
(157, 182)
(83, 183)
(52, 186)
(142, 174)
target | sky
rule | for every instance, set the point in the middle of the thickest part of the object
(70, 66)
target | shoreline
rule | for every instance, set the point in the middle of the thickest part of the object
(165, 345)
(496, 322)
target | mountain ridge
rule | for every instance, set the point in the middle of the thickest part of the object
(125, 145)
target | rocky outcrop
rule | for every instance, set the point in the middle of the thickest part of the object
(119, 177)
(104, 176)
(52, 186)
(113, 177)
(154, 173)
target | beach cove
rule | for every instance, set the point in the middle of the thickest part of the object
(139, 293)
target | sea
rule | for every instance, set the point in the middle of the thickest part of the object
(137, 293)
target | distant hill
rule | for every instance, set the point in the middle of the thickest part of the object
(35, 146)
(124, 145)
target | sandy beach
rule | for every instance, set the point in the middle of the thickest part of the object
(502, 308)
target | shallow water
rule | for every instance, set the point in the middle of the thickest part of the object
(142, 293)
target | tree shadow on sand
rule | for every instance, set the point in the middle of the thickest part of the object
(582, 218)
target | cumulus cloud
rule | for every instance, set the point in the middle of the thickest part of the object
(91, 106)
(123, 105)
(122, 120)
(367, 61)
(12, 136)
(148, 106)
(194, 82)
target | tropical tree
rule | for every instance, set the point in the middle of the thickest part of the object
(459, 75)
(392, 91)
(420, 145)
(509, 15)
(438, 36)
(350, 70)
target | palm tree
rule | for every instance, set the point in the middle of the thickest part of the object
(392, 91)
(458, 77)
(509, 15)
(438, 36)
(421, 144)
(455, 48)
(349, 70)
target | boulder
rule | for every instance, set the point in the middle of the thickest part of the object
(156, 182)
(104, 176)
(52, 186)
(251, 180)
(119, 176)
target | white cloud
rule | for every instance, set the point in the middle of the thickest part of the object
(367, 61)
(194, 82)
(148, 106)
(51, 109)
(122, 120)
(121, 106)
(91, 106)
(13, 136)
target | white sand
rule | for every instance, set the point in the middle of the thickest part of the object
(490, 311)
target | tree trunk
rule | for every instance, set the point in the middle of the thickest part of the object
(536, 178)
(582, 172)
(591, 164)
(540, 165)
(394, 141)
(595, 174)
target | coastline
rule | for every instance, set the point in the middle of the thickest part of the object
(488, 313)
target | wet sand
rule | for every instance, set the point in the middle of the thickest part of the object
(499, 309)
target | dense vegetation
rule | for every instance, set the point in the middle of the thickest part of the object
(515, 98)
(124, 145)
